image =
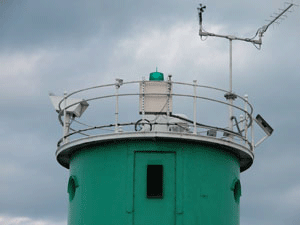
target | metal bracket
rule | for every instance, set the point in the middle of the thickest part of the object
(230, 95)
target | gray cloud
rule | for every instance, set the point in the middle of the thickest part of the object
(68, 45)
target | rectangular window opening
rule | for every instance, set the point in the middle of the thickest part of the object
(154, 181)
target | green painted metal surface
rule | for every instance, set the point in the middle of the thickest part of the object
(199, 184)
(154, 211)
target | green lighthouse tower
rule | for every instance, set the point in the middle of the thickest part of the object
(148, 155)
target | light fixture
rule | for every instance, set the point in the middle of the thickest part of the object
(266, 128)
(264, 125)
(76, 110)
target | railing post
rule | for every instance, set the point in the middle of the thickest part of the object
(143, 99)
(195, 107)
(246, 117)
(119, 82)
(252, 134)
(241, 128)
(66, 120)
(168, 100)
(230, 88)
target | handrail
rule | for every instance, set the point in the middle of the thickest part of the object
(157, 94)
(218, 89)
(248, 111)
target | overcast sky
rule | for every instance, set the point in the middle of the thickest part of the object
(67, 45)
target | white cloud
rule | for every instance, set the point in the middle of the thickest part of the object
(172, 50)
(178, 50)
(18, 75)
(131, 54)
(4, 220)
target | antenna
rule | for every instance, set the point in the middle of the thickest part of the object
(259, 32)
(230, 96)
(264, 28)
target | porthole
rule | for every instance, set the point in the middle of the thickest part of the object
(237, 190)
(72, 185)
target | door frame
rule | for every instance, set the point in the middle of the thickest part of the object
(179, 183)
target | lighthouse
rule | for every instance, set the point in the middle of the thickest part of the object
(154, 159)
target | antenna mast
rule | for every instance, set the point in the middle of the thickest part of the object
(230, 96)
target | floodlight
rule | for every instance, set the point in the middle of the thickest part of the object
(76, 110)
(264, 125)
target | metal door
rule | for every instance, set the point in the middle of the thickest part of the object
(154, 188)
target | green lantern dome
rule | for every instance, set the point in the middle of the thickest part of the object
(156, 76)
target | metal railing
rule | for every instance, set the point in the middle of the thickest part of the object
(181, 94)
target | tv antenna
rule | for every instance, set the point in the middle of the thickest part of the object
(230, 96)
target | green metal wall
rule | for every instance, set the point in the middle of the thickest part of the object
(108, 184)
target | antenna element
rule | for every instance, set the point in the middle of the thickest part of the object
(264, 28)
